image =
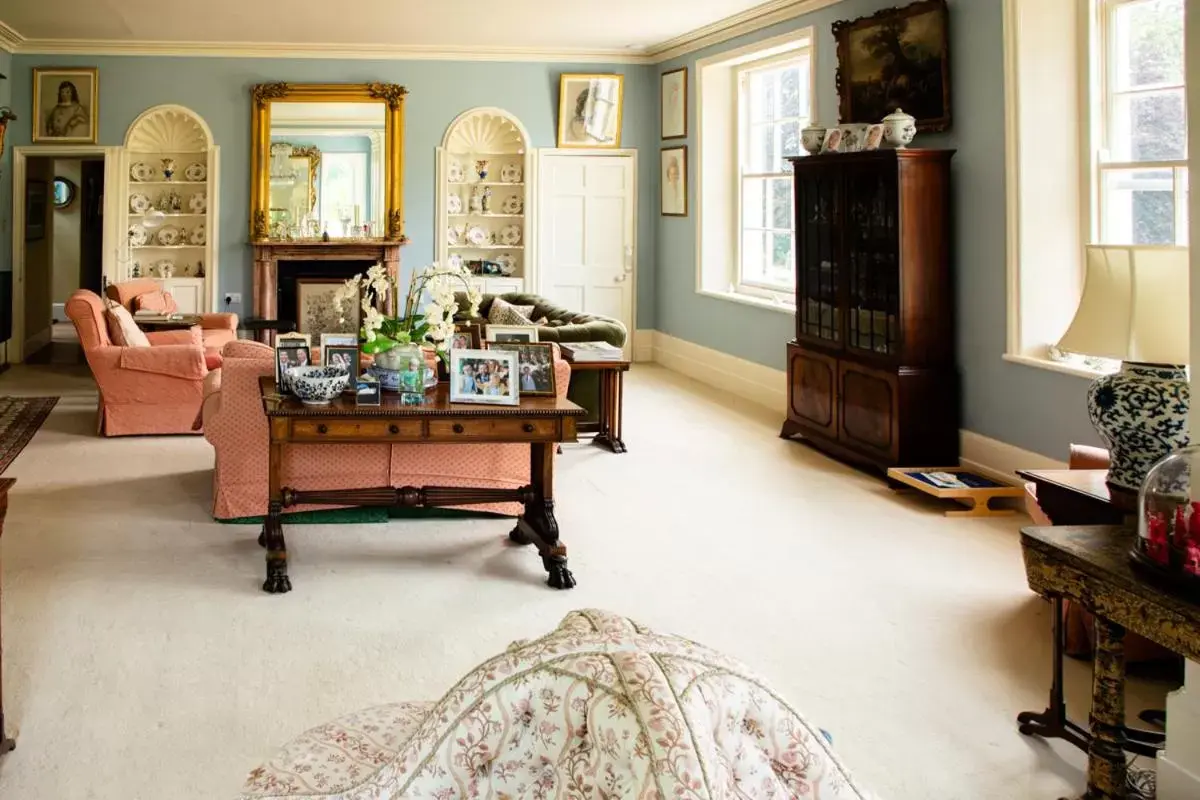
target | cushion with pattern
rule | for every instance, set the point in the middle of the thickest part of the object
(503, 312)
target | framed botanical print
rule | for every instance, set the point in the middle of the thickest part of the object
(66, 106)
(673, 110)
(316, 313)
(674, 181)
(589, 110)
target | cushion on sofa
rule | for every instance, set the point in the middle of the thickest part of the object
(123, 331)
(505, 313)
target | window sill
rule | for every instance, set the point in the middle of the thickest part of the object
(749, 300)
(1053, 366)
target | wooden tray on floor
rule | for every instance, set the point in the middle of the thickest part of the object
(977, 495)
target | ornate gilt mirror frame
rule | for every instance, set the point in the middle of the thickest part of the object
(390, 94)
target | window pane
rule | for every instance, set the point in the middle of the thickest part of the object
(763, 101)
(789, 141)
(754, 203)
(754, 256)
(1150, 126)
(1137, 207)
(764, 153)
(1147, 43)
(781, 204)
(789, 92)
(782, 262)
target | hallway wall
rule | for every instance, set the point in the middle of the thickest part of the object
(65, 249)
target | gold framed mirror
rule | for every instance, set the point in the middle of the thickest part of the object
(346, 144)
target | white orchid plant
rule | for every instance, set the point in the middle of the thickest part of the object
(428, 310)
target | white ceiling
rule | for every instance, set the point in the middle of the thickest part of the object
(591, 26)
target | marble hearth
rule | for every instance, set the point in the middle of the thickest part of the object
(285, 261)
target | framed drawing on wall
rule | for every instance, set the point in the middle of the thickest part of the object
(674, 181)
(589, 110)
(896, 58)
(65, 104)
(316, 312)
(673, 111)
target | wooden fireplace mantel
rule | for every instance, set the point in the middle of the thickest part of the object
(268, 254)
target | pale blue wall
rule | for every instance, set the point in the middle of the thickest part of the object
(1031, 408)
(218, 90)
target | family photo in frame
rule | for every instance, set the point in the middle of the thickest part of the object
(535, 366)
(484, 376)
(291, 350)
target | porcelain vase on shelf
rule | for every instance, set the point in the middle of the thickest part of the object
(168, 168)
(481, 167)
(811, 139)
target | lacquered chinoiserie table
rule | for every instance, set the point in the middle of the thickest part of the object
(1090, 565)
(6, 744)
(607, 429)
(542, 422)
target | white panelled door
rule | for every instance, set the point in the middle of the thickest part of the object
(586, 227)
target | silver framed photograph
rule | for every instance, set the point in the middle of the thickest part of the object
(65, 105)
(535, 366)
(511, 333)
(589, 110)
(484, 376)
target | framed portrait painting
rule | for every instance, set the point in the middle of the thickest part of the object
(896, 58)
(674, 181)
(589, 110)
(673, 111)
(65, 105)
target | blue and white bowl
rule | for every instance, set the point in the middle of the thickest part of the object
(317, 386)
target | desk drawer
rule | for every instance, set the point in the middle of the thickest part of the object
(356, 430)
(510, 430)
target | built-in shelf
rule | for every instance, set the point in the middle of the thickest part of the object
(487, 247)
(167, 183)
(496, 216)
(486, 183)
(170, 214)
(169, 247)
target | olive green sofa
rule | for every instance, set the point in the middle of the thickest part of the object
(561, 326)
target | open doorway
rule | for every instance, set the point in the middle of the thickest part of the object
(58, 246)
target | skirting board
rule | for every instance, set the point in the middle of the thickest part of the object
(643, 345)
(768, 387)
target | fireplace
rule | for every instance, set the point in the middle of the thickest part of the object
(278, 266)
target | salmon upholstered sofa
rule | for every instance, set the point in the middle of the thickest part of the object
(156, 389)
(217, 330)
(236, 427)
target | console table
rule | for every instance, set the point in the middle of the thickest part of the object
(542, 422)
(6, 744)
(607, 429)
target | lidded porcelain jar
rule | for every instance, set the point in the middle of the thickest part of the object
(899, 128)
(1169, 515)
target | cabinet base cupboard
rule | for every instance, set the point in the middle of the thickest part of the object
(872, 375)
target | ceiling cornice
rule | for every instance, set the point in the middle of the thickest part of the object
(749, 21)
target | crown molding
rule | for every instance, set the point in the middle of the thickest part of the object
(10, 40)
(356, 52)
(748, 21)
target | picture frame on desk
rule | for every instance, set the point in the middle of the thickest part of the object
(535, 366)
(291, 350)
(484, 376)
(511, 333)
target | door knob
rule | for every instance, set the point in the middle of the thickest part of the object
(619, 279)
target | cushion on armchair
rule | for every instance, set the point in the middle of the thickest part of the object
(159, 302)
(123, 331)
(601, 707)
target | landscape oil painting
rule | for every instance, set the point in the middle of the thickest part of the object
(896, 58)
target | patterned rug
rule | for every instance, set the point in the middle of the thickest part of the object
(20, 418)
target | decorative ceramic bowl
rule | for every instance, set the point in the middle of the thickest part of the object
(198, 203)
(198, 236)
(812, 137)
(168, 236)
(317, 386)
(507, 265)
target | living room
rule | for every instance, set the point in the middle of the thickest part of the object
(587, 182)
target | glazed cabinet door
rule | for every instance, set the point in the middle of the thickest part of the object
(873, 259)
(812, 389)
(818, 196)
(869, 419)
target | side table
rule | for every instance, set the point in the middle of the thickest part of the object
(607, 430)
(6, 744)
(167, 323)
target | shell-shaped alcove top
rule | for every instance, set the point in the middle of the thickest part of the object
(486, 132)
(168, 129)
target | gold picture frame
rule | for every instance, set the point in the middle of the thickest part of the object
(590, 110)
(390, 94)
(73, 122)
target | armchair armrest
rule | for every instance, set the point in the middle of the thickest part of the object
(189, 336)
(171, 360)
(148, 374)
(219, 322)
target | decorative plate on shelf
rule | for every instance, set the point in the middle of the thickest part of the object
(454, 172)
(507, 265)
(452, 235)
(139, 203)
(512, 204)
(137, 235)
(453, 204)
(195, 172)
(168, 236)
(510, 173)
(477, 236)
(198, 203)
(141, 171)
(510, 235)
(198, 236)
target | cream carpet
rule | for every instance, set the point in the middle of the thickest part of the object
(142, 661)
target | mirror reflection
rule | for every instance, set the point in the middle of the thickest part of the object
(326, 163)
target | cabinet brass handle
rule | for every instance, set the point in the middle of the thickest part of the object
(393, 429)
(527, 427)
(322, 429)
(458, 428)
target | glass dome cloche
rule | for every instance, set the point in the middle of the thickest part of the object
(1168, 542)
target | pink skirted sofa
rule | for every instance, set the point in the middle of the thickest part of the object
(143, 390)
(144, 294)
(237, 428)
(600, 708)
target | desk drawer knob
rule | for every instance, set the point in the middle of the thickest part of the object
(393, 429)
(322, 429)
(527, 427)
(457, 428)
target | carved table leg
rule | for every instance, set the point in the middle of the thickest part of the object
(537, 524)
(1106, 754)
(277, 581)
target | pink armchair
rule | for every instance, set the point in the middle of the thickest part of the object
(236, 427)
(156, 389)
(217, 330)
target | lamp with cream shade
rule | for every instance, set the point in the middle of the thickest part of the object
(1135, 308)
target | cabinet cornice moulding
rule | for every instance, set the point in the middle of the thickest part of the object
(748, 21)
